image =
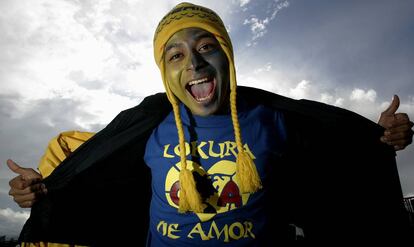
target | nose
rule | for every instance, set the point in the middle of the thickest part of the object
(195, 61)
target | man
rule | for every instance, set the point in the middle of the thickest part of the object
(252, 170)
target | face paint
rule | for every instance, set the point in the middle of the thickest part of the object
(197, 71)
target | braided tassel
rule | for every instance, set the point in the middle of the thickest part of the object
(190, 199)
(246, 171)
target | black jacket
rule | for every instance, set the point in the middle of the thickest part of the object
(336, 180)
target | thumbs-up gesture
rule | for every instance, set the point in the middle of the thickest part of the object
(398, 132)
(27, 187)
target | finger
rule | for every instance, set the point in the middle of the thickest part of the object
(399, 119)
(403, 128)
(396, 137)
(17, 182)
(410, 124)
(27, 204)
(399, 136)
(400, 143)
(402, 117)
(23, 198)
(39, 187)
(28, 199)
(393, 107)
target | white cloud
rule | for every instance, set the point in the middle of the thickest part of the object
(357, 100)
(364, 102)
(361, 95)
(13, 216)
(258, 26)
(243, 2)
(12, 221)
(266, 68)
(327, 98)
(91, 52)
(301, 91)
(331, 99)
(279, 6)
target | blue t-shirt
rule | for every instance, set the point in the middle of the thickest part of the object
(230, 217)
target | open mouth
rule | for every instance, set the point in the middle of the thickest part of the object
(202, 89)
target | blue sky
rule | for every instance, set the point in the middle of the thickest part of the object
(75, 64)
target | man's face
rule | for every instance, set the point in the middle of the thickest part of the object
(197, 71)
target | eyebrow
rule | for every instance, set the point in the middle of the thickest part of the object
(198, 36)
(204, 35)
(170, 46)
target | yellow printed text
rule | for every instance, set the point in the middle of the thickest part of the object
(206, 150)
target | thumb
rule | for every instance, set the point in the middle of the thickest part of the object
(393, 107)
(15, 167)
(25, 172)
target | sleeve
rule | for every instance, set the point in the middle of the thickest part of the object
(59, 148)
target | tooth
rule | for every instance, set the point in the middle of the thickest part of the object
(204, 98)
(198, 81)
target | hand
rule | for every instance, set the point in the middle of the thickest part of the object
(398, 132)
(27, 187)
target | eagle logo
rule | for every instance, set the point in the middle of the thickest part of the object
(218, 187)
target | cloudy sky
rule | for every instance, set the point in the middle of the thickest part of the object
(74, 64)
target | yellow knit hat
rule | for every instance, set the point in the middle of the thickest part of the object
(187, 15)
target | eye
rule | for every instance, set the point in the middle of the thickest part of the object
(206, 47)
(175, 57)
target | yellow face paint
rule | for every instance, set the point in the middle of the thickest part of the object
(197, 71)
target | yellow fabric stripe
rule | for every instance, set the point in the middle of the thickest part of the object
(59, 148)
(46, 244)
